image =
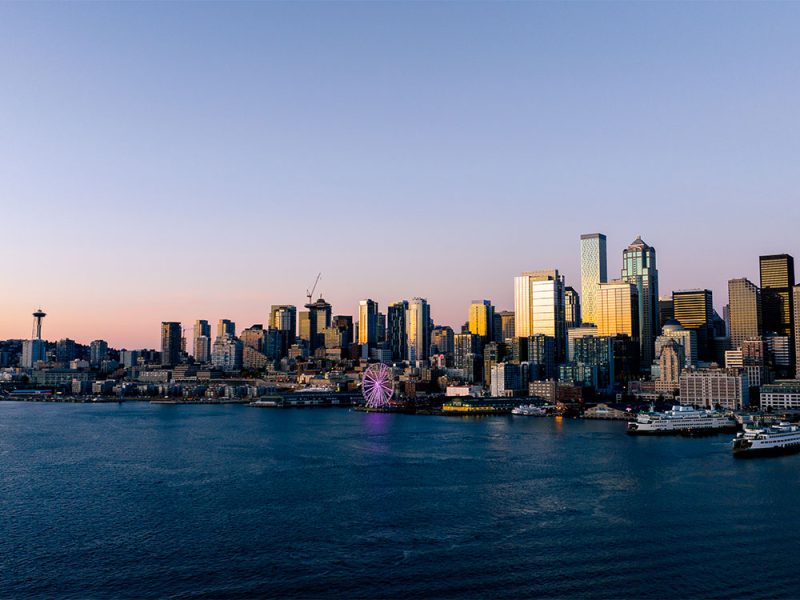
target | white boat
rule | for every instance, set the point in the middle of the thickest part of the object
(529, 410)
(763, 440)
(685, 420)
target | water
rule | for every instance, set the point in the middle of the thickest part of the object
(141, 501)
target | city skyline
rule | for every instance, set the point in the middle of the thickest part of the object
(317, 141)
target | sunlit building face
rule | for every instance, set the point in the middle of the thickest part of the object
(593, 273)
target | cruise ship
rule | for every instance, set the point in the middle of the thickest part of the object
(773, 440)
(529, 410)
(684, 420)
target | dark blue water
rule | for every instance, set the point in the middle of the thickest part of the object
(228, 501)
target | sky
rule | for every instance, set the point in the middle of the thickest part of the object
(175, 161)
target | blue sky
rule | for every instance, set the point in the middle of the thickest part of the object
(174, 161)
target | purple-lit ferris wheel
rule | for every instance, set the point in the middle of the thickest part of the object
(377, 387)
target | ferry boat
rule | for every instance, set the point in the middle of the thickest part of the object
(681, 420)
(529, 410)
(773, 440)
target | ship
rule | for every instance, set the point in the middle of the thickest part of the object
(772, 440)
(681, 420)
(529, 410)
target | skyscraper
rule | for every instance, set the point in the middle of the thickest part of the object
(396, 330)
(572, 307)
(694, 309)
(796, 302)
(170, 343)
(319, 318)
(618, 310)
(745, 311)
(418, 330)
(504, 325)
(594, 271)
(368, 323)
(539, 307)
(639, 268)
(481, 319)
(777, 298)
(226, 327)
(202, 341)
(98, 350)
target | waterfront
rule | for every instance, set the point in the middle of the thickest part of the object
(141, 500)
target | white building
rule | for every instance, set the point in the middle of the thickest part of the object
(506, 379)
(227, 353)
(781, 395)
(709, 388)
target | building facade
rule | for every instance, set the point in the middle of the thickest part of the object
(639, 269)
(594, 271)
(744, 311)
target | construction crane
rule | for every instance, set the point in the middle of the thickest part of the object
(311, 293)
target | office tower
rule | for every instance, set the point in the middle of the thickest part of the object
(576, 332)
(639, 268)
(465, 348)
(380, 324)
(506, 379)
(504, 325)
(442, 340)
(594, 271)
(98, 351)
(396, 330)
(492, 354)
(481, 319)
(666, 311)
(745, 311)
(618, 309)
(67, 351)
(226, 327)
(418, 330)
(596, 352)
(304, 325)
(202, 341)
(777, 298)
(283, 318)
(170, 343)
(318, 318)
(368, 323)
(572, 307)
(227, 353)
(128, 358)
(254, 337)
(671, 361)
(687, 338)
(539, 307)
(694, 309)
(542, 356)
(796, 303)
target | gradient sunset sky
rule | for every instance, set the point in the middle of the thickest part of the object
(175, 161)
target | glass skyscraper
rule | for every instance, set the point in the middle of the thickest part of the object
(744, 299)
(481, 319)
(594, 271)
(368, 323)
(694, 309)
(639, 269)
(539, 307)
(777, 301)
(418, 330)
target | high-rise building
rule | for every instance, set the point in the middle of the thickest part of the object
(227, 353)
(777, 297)
(319, 318)
(542, 356)
(170, 343)
(687, 338)
(574, 333)
(796, 302)
(572, 307)
(504, 325)
(666, 310)
(283, 318)
(744, 312)
(98, 350)
(481, 319)
(618, 309)
(66, 350)
(254, 337)
(639, 269)
(539, 307)
(597, 352)
(226, 327)
(492, 354)
(594, 271)
(442, 340)
(694, 309)
(368, 323)
(418, 330)
(202, 341)
(671, 361)
(396, 330)
(304, 325)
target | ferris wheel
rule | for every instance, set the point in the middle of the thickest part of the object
(377, 387)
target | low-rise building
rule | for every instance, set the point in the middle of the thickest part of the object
(709, 388)
(781, 395)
